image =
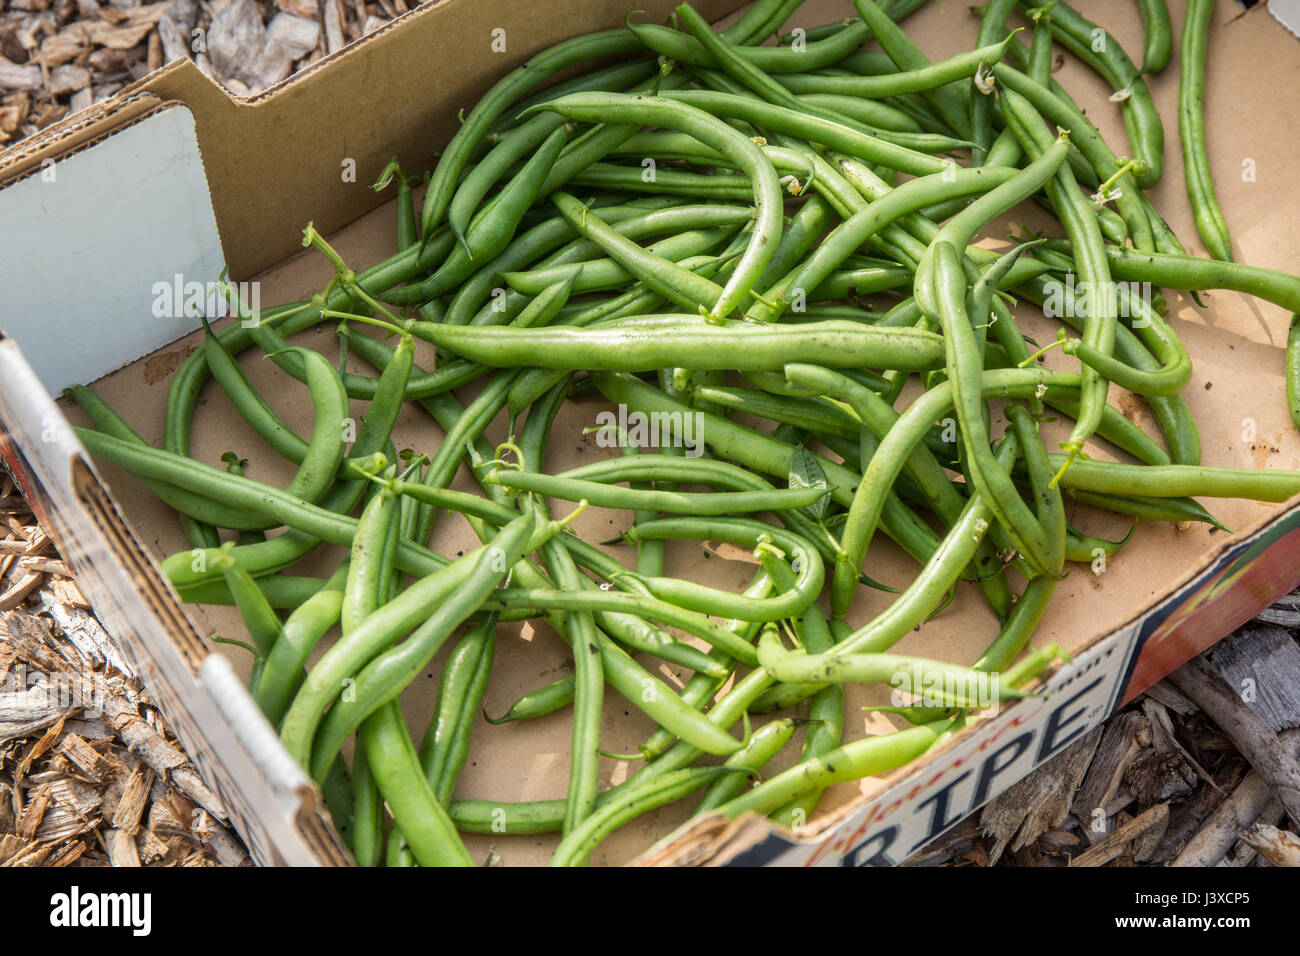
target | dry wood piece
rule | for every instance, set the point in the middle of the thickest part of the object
(334, 39)
(1124, 738)
(1115, 844)
(299, 8)
(1277, 846)
(1284, 613)
(294, 35)
(130, 808)
(1263, 663)
(1248, 802)
(1248, 730)
(236, 33)
(15, 77)
(1041, 801)
(84, 757)
(1186, 820)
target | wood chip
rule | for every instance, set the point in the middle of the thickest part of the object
(83, 756)
(300, 8)
(1039, 802)
(334, 39)
(1257, 742)
(1248, 801)
(1126, 736)
(235, 36)
(294, 35)
(149, 847)
(18, 592)
(15, 77)
(175, 39)
(62, 48)
(63, 80)
(130, 808)
(1277, 846)
(121, 848)
(69, 854)
(34, 813)
(1263, 664)
(1115, 844)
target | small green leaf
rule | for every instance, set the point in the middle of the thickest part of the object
(806, 472)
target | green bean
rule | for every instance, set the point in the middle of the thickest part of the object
(650, 342)
(745, 532)
(498, 99)
(579, 842)
(701, 688)
(896, 84)
(538, 703)
(960, 229)
(930, 407)
(1086, 550)
(1047, 497)
(648, 607)
(283, 591)
(836, 135)
(967, 687)
(201, 534)
(764, 744)
(442, 590)
(677, 502)
(661, 275)
(993, 21)
(853, 761)
(259, 559)
(367, 811)
(1206, 214)
(491, 229)
(1030, 537)
(602, 274)
(670, 182)
(396, 768)
(1293, 370)
(1100, 315)
(1158, 35)
(1176, 481)
(522, 140)
(767, 455)
(1178, 509)
(815, 55)
(854, 231)
(248, 402)
(302, 631)
(950, 102)
(1062, 112)
(656, 111)
(1103, 53)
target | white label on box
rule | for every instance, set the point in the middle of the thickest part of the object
(102, 236)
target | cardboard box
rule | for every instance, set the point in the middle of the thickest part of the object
(172, 178)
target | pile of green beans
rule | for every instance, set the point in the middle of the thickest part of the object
(712, 230)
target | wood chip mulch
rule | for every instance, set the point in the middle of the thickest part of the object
(61, 56)
(1202, 770)
(89, 774)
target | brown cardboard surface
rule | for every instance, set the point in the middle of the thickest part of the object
(1237, 343)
